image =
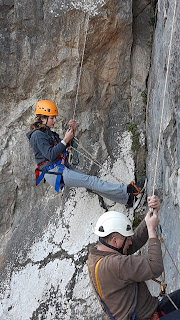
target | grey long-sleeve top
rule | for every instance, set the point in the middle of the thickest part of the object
(46, 145)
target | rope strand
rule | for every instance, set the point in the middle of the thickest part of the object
(96, 162)
(161, 122)
(166, 249)
(171, 301)
(163, 103)
(81, 64)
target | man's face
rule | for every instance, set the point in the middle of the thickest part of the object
(127, 244)
(119, 242)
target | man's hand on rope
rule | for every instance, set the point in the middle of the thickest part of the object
(154, 203)
(151, 218)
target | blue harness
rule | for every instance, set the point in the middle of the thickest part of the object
(61, 163)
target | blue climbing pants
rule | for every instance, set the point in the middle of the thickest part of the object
(167, 307)
(75, 178)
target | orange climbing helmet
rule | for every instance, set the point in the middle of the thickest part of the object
(46, 108)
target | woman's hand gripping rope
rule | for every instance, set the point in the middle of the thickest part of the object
(71, 133)
(72, 126)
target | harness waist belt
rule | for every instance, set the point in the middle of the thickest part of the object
(44, 168)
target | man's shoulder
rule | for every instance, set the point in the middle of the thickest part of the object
(98, 254)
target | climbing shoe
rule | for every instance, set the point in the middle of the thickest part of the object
(136, 192)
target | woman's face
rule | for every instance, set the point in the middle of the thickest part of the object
(49, 122)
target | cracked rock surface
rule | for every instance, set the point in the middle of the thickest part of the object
(45, 236)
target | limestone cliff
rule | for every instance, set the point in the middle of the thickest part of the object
(163, 104)
(45, 237)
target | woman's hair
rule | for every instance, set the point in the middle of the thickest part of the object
(38, 125)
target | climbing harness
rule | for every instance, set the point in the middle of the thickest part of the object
(99, 295)
(98, 292)
(163, 286)
(44, 168)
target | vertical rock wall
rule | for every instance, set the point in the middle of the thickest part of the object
(163, 102)
(45, 237)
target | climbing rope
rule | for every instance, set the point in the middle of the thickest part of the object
(166, 250)
(164, 95)
(171, 301)
(76, 99)
(81, 64)
(75, 106)
(95, 161)
(162, 282)
(163, 285)
(163, 291)
(90, 157)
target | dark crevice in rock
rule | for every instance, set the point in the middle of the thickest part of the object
(102, 203)
(62, 254)
(52, 299)
(142, 10)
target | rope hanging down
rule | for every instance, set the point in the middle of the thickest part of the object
(161, 122)
(159, 141)
(95, 161)
(81, 64)
(162, 112)
(164, 95)
(76, 100)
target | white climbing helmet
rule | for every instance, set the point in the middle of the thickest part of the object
(112, 221)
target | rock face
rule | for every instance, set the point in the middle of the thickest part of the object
(45, 237)
(163, 103)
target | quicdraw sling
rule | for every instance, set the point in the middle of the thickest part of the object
(98, 293)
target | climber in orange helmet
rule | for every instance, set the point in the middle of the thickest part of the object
(51, 157)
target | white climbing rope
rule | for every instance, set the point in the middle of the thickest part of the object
(160, 134)
(171, 301)
(81, 64)
(163, 104)
(166, 250)
(164, 96)
(89, 157)
(95, 161)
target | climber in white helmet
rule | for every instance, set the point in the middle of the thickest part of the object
(118, 277)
